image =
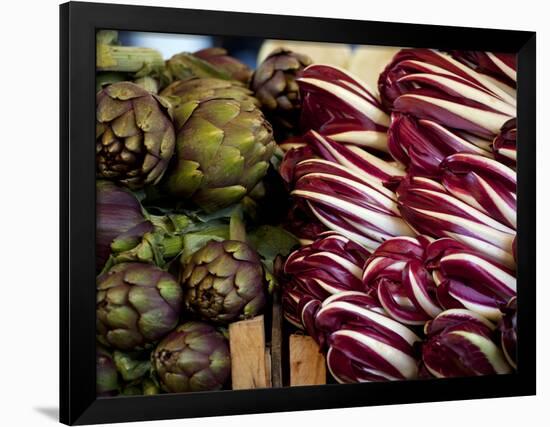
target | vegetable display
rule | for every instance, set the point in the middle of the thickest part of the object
(377, 220)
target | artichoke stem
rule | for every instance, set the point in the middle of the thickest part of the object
(126, 58)
(237, 230)
(172, 246)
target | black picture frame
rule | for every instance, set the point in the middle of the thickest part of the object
(78, 401)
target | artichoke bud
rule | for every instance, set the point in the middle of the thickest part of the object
(130, 366)
(155, 241)
(120, 221)
(223, 143)
(106, 373)
(219, 58)
(274, 84)
(224, 281)
(194, 357)
(134, 135)
(137, 304)
(150, 386)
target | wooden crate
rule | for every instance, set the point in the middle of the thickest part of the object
(256, 363)
(307, 363)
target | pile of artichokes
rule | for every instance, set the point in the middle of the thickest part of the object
(183, 155)
(385, 216)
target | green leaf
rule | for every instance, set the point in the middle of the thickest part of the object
(130, 366)
(271, 241)
(192, 242)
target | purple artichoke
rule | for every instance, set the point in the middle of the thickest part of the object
(135, 137)
(194, 357)
(219, 58)
(117, 212)
(137, 304)
(224, 281)
(106, 374)
(274, 84)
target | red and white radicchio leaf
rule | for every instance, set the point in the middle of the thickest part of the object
(404, 286)
(469, 279)
(341, 106)
(508, 332)
(422, 144)
(504, 144)
(330, 265)
(483, 183)
(459, 343)
(428, 84)
(501, 66)
(430, 209)
(364, 344)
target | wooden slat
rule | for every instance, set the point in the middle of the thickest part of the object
(268, 366)
(307, 363)
(248, 357)
(276, 341)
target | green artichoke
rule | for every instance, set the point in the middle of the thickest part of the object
(219, 58)
(149, 83)
(132, 366)
(201, 89)
(137, 304)
(106, 373)
(274, 84)
(135, 370)
(223, 142)
(146, 386)
(211, 62)
(224, 281)
(116, 63)
(194, 357)
(134, 135)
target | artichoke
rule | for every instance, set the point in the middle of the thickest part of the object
(224, 281)
(201, 89)
(106, 373)
(206, 63)
(118, 212)
(134, 135)
(146, 387)
(223, 142)
(137, 304)
(194, 357)
(274, 84)
(219, 58)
